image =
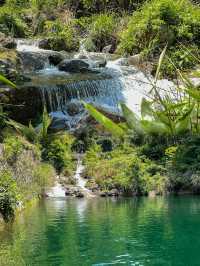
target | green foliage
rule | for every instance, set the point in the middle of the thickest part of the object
(115, 129)
(102, 30)
(161, 22)
(58, 152)
(125, 170)
(44, 176)
(8, 195)
(11, 22)
(13, 147)
(63, 35)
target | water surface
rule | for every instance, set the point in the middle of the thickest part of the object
(161, 231)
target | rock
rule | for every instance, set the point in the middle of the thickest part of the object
(103, 194)
(7, 42)
(134, 60)
(73, 66)
(74, 108)
(74, 192)
(44, 44)
(32, 61)
(25, 104)
(58, 124)
(107, 49)
(55, 59)
(113, 193)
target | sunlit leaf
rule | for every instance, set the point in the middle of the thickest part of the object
(112, 127)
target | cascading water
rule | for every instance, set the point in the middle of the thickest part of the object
(105, 88)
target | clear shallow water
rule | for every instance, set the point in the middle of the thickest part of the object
(105, 232)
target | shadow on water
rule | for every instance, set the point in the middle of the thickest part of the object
(143, 231)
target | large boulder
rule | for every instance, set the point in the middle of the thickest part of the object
(32, 61)
(55, 59)
(74, 66)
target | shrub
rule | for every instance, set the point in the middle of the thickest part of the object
(161, 22)
(58, 152)
(44, 175)
(125, 170)
(63, 36)
(8, 195)
(102, 30)
(11, 22)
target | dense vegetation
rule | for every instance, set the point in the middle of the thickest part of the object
(157, 152)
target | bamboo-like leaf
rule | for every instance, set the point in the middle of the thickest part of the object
(154, 127)
(7, 82)
(112, 127)
(160, 63)
(184, 122)
(131, 119)
(194, 93)
(146, 109)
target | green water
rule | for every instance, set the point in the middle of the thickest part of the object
(161, 231)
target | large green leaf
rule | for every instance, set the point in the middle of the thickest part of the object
(112, 127)
(154, 127)
(146, 108)
(160, 63)
(132, 121)
(183, 122)
(194, 93)
(7, 82)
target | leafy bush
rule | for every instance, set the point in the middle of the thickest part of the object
(102, 30)
(58, 152)
(11, 22)
(125, 170)
(159, 22)
(63, 35)
(13, 146)
(44, 175)
(8, 195)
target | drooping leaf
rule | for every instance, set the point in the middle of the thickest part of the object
(7, 82)
(112, 127)
(160, 64)
(132, 121)
(183, 122)
(146, 108)
(194, 93)
(154, 127)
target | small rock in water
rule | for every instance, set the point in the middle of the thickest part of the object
(73, 66)
(55, 59)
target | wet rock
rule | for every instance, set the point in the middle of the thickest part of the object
(103, 194)
(45, 44)
(73, 109)
(134, 60)
(107, 49)
(7, 42)
(74, 192)
(55, 59)
(58, 124)
(32, 61)
(73, 66)
(113, 193)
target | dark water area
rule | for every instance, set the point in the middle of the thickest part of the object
(160, 231)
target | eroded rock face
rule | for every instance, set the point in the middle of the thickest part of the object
(25, 104)
(73, 66)
(32, 61)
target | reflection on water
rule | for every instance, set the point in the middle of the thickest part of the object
(104, 232)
